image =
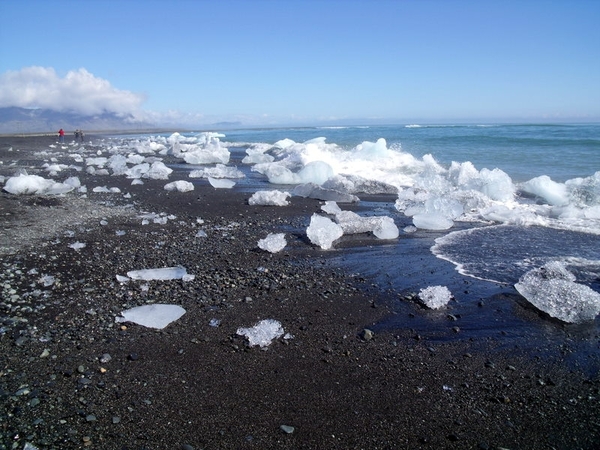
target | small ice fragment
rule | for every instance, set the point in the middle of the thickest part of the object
(201, 234)
(269, 198)
(122, 279)
(47, 280)
(152, 316)
(165, 273)
(274, 242)
(179, 186)
(435, 297)
(77, 246)
(262, 333)
(214, 322)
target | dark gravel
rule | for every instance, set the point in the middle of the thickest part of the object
(71, 378)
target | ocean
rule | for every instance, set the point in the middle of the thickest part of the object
(477, 208)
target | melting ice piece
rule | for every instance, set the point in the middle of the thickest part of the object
(34, 184)
(435, 297)
(77, 246)
(262, 333)
(152, 316)
(221, 183)
(165, 273)
(269, 198)
(432, 221)
(323, 231)
(274, 242)
(312, 190)
(179, 186)
(552, 289)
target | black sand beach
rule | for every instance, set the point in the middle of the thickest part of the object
(70, 377)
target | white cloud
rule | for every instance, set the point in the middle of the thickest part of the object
(79, 91)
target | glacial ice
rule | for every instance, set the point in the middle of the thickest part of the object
(219, 171)
(221, 183)
(269, 198)
(263, 333)
(24, 184)
(179, 186)
(312, 190)
(322, 231)
(554, 193)
(553, 290)
(435, 297)
(382, 227)
(165, 273)
(273, 243)
(152, 316)
(159, 171)
(432, 221)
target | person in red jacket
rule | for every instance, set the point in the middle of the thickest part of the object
(61, 135)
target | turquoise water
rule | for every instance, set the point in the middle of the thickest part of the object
(522, 151)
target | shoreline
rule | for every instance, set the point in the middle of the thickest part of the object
(193, 385)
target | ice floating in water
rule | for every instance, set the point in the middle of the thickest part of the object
(435, 297)
(554, 193)
(179, 186)
(262, 333)
(323, 231)
(553, 290)
(269, 198)
(34, 184)
(274, 242)
(165, 273)
(221, 183)
(152, 316)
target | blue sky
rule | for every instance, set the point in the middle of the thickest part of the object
(310, 61)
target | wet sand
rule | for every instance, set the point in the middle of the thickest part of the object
(193, 385)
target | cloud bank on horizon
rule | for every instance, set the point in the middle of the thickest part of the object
(78, 91)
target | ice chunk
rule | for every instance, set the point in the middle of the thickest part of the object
(386, 228)
(262, 333)
(331, 207)
(77, 246)
(323, 231)
(312, 190)
(382, 227)
(269, 198)
(152, 316)
(219, 171)
(435, 297)
(552, 289)
(274, 242)
(554, 193)
(165, 273)
(159, 171)
(34, 184)
(432, 221)
(179, 186)
(221, 183)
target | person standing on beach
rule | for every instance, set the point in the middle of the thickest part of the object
(61, 135)
(81, 135)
